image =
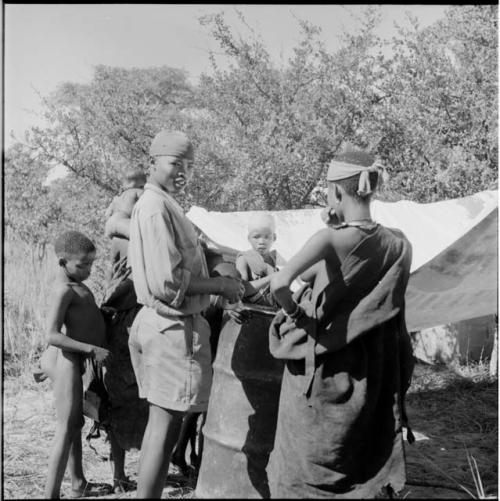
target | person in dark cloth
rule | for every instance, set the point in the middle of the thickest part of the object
(347, 351)
(258, 264)
(126, 412)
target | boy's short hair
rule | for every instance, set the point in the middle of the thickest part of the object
(73, 242)
(351, 185)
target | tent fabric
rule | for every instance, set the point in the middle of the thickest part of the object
(458, 284)
(451, 280)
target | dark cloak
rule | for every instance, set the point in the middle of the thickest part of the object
(348, 366)
(127, 413)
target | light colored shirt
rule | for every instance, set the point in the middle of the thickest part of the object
(164, 253)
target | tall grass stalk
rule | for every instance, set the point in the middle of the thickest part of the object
(27, 291)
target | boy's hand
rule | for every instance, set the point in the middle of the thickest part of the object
(232, 289)
(100, 354)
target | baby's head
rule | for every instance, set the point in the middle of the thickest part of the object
(135, 178)
(262, 233)
(76, 254)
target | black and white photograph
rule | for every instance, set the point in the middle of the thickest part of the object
(250, 251)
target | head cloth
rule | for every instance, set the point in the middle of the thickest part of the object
(175, 144)
(351, 161)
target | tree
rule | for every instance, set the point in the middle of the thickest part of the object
(30, 211)
(437, 115)
(99, 129)
(283, 124)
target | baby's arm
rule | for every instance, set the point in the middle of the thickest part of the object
(62, 300)
(254, 285)
(242, 266)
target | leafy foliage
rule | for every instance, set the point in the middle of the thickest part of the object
(285, 123)
(438, 119)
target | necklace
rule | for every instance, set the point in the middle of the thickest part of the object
(365, 220)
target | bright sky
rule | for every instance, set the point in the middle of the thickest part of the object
(46, 45)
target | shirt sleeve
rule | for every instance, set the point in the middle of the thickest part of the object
(166, 278)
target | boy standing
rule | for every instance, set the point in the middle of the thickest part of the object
(67, 358)
(258, 264)
(347, 351)
(169, 339)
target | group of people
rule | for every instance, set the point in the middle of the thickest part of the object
(342, 335)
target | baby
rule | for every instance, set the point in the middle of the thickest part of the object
(258, 264)
(120, 210)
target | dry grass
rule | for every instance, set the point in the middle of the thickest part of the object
(457, 408)
(27, 292)
(28, 432)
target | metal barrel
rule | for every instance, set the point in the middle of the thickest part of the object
(242, 413)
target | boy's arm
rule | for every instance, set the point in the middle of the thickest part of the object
(62, 300)
(317, 248)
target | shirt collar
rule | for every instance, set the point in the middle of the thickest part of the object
(162, 193)
(159, 191)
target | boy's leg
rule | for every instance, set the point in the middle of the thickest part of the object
(160, 437)
(68, 394)
(75, 466)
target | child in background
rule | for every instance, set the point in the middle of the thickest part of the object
(258, 264)
(70, 356)
(132, 189)
(118, 213)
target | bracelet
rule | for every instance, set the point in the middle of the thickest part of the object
(296, 313)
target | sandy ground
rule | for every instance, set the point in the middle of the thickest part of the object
(448, 418)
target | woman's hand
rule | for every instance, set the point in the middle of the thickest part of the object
(232, 289)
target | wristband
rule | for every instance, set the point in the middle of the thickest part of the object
(296, 313)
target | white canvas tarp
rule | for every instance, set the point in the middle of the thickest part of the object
(455, 256)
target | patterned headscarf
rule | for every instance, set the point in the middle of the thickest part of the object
(351, 161)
